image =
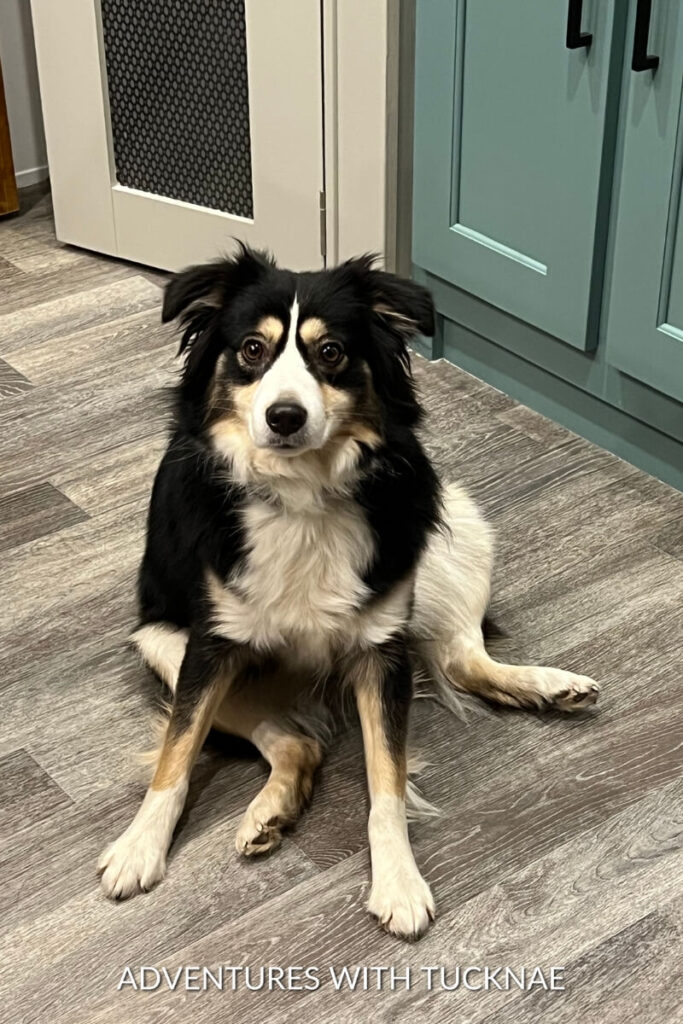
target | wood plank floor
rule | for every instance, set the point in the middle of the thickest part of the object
(559, 842)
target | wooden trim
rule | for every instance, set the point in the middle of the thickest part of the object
(9, 198)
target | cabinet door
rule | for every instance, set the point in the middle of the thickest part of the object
(173, 126)
(645, 317)
(509, 129)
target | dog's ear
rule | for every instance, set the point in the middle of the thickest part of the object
(406, 306)
(399, 310)
(201, 285)
(197, 293)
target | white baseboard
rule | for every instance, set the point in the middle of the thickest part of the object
(31, 176)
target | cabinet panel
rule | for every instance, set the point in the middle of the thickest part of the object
(645, 320)
(510, 130)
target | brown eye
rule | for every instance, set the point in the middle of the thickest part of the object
(253, 350)
(331, 353)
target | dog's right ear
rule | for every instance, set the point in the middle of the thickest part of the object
(201, 285)
(195, 294)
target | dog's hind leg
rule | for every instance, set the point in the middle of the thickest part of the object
(258, 714)
(469, 667)
(451, 597)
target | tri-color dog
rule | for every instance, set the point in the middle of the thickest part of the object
(299, 545)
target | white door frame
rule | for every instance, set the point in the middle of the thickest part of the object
(355, 46)
(355, 107)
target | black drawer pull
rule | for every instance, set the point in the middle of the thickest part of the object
(575, 37)
(642, 60)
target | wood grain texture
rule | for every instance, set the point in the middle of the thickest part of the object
(8, 271)
(631, 968)
(58, 427)
(34, 512)
(54, 318)
(670, 539)
(28, 796)
(559, 838)
(67, 588)
(12, 383)
(555, 909)
(124, 344)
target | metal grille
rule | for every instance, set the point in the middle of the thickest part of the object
(179, 99)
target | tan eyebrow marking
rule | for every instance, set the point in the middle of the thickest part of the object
(312, 329)
(271, 327)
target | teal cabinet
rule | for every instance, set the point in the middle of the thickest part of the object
(510, 130)
(645, 316)
(547, 210)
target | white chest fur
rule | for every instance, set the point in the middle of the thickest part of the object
(300, 585)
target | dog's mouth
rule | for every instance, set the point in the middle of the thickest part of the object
(287, 446)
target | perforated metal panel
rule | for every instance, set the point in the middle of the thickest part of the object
(179, 99)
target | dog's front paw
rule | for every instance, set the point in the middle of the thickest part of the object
(403, 906)
(134, 863)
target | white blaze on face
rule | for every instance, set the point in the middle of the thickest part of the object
(289, 380)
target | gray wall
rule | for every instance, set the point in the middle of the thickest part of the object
(17, 53)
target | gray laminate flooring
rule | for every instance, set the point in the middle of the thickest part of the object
(559, 839)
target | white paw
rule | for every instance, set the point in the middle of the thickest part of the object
(134, 863)
(403, 905)
(567, 691)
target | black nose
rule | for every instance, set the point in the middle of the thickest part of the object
(285, 418)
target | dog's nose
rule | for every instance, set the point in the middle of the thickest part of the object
(285, 418)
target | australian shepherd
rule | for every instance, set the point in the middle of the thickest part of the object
(299, 545)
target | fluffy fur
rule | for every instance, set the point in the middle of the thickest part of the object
(298, 547)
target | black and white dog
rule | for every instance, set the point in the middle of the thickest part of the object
(299, 543)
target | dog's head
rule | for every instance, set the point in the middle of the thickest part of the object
(289, 363)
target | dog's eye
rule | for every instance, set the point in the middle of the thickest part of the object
(331, 353)
(253, 350)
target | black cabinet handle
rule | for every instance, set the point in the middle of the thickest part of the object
(642, 60)
(575, 37)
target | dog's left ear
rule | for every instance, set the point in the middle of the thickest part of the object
(405, 306)
(399, 310)
(402, 305)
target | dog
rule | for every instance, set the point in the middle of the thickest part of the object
(300, 546)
